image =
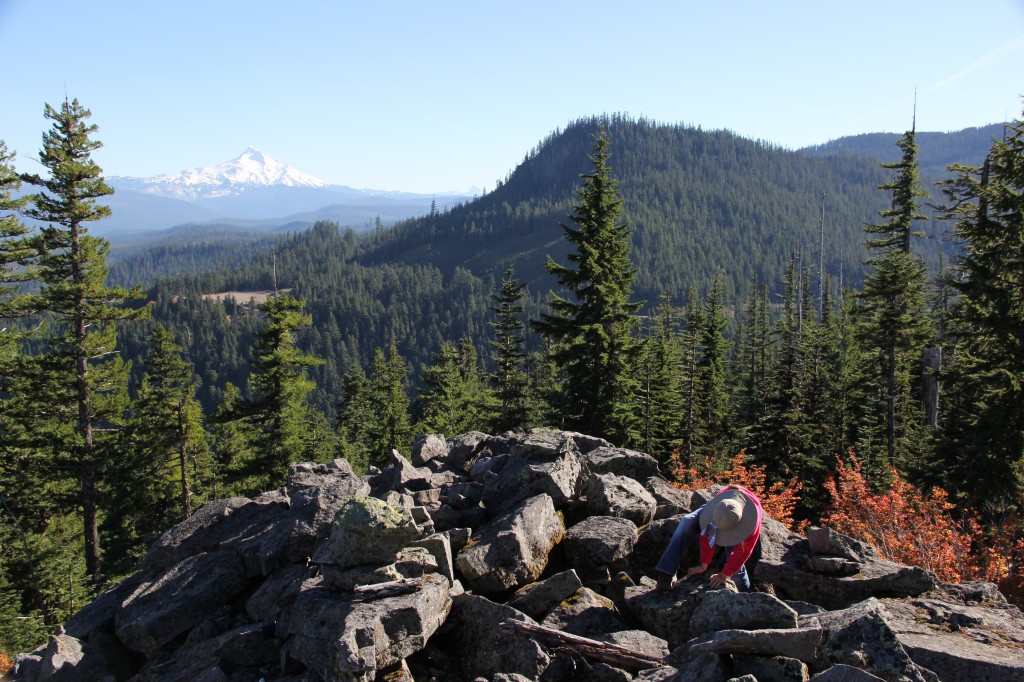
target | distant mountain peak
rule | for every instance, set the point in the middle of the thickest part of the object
(250, 168)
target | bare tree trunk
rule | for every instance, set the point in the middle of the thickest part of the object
(613, 654)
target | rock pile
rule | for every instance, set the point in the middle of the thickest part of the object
(524, 556)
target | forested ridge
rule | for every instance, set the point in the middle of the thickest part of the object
(656, 285)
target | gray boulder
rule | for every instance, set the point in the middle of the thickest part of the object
(538, 599)
(599, 547)
(427, 448)
(671, 500)
(401, 476)
(366, 530)
(520, 478)
(841, 672)
(163, 608)
(769, 669)
(465, 448)
(315, 493)
(799, 643)
(473, 643)
(786, 559)
(339, 637)
(253, 529)
(613, 495)
(728, 610)
(622, 462)
(587, 614)
(665, 615)
(861, 636)
(960, 640)
(513, 549)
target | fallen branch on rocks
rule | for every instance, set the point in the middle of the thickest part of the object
(613, 654)
(388, 589)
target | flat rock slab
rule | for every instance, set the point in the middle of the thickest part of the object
(799, 643)
(728, 610)
(366, 530)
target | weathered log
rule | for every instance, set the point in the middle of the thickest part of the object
(612, 654)
(388, 589)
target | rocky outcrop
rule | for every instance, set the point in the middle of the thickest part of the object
(523, 556)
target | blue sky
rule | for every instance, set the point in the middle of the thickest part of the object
(448, 95)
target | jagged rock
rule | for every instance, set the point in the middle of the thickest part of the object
(665, 615)
(831, 565)
(845, 673)
(463, 495)
(599, 547)
(253, 529)
(799, 643)
(613, 495)
(439, 546)
(832, 543)
(861, 636)
(179, 599)
(428, 447)
(487, 467)
(783, 561)
(670, 499)
(585, 613)
(339, 637)
(622, 462)
(476, 646)
(513, 549)
(520, 478)
(543, 443)
(315, 492)
(774, 669)
(538, 599)
(100, 612)
(465, 448)
(276, 593)
(690, 666)
(366, 530)
(955, 640)
(401, 476)
(61, 659)
(728, 610)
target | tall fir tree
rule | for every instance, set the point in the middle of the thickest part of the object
(389, 405)
(894, 325)
(660, 386)
(354, 419)
(16, 251)
(169, 471)
(279, 409)
(713, 399)
(984, 452)
(450, 401)
(81, 364)
(509, 380)
(593, 336)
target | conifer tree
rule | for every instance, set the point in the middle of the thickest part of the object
(279, 408)
(714, 395)
(389, 404)
(169, 470)
(894, 326)
(984, 456)
(354, 419)
(80, 367)
(593, 336)
(691, 428)
(510, 381)
(449, 403)
(660, 388)
(15, 248)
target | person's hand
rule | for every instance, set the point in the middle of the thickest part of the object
(697, 569)
(718, 580)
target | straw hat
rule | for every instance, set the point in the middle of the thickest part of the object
(733, 514)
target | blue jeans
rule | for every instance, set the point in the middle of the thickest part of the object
(683, 538)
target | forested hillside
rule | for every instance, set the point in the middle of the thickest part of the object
(698, 202)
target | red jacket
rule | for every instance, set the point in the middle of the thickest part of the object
(743, 550)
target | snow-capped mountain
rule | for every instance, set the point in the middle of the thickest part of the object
(252, 168)
(258, 191)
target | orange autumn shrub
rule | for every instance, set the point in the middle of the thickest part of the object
(5, 664)
(778, 499)
(906, 526)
